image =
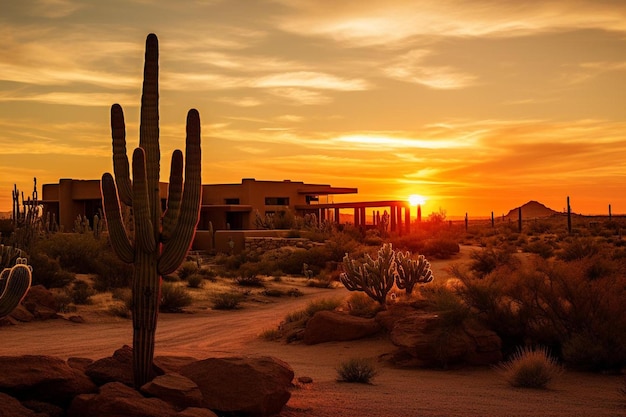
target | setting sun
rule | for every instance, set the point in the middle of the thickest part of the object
(417, 200)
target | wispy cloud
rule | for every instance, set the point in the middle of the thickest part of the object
(380, 22)
(411, 67)
(308, 79)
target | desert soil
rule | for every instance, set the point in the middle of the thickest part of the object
(393, 392)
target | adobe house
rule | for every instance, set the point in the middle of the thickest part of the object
(229, 206)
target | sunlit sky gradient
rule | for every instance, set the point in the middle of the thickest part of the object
(477, 105)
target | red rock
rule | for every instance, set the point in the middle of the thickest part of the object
(119, 400)
(41, 303)
(11, 407)
(244, 386)
(43, 378)
(175, 389)
(329, 326)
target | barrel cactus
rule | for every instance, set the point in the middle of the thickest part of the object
(161, 240)
(14, 284)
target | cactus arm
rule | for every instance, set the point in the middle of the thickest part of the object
(119, 240)
(149, 128)
(144, 232)
(120, 160)
(175, 250)
(174, 195)
(17, 285)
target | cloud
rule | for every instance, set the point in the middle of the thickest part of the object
(411, 68)
(383, 23)
(310, 79)
(301, 96)
(55, 9)
(71, 99)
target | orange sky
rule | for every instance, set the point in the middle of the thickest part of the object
(478, 105)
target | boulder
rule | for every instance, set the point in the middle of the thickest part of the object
(11, 407)
(41, 303)
(21, 314)
(79, 363)
(116, 368)
(246, 386)
(175, 389)
(330, 326)
(42, 378)
(119, 400)
(196, 412)
(171, 364)
(426, 339)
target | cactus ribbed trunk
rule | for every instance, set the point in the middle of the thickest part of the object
(160, 242)
(146, 296)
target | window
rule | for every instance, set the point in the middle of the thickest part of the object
(231, 201)
(276, 201)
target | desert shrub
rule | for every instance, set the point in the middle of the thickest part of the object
(373, 238)
(441, 248)
(63, 301)
(541, 248)
(322, 304)
(195, 281)
(294, 292)
(361, 305)
(186, 269)
(171, 278)
(208, 273)
(76, 252)
(227, 300)
(322, 281)
(447, 303)
(120, 310)
(356, 370)
(578, 248)
(111, 272)
(250, 281)
(553, 303)
(47, 271)
(296, 316)
(81, 293)
(488, 259)
(273, 292)
(174, 298)
(530, 368)
(271, 334)
(124, 295)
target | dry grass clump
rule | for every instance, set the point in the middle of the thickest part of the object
(174, 298)
(531, 368)
(358, 370)
(227, 300)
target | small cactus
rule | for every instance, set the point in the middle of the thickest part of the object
(14, 284)
(412, 271)
(374, 277)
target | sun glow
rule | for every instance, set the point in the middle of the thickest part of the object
(417, 200)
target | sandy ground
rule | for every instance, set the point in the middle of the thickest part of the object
(394, 392)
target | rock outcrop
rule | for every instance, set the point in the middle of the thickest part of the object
(329, 326)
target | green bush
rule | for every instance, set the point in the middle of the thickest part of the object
(356, 370)
(530, 368)
(174, 298)
(227, 300)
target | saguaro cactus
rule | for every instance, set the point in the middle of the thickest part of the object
(412, 271)
(14, 284)
(161, 240)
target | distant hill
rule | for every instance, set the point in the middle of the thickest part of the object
(531, 210)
